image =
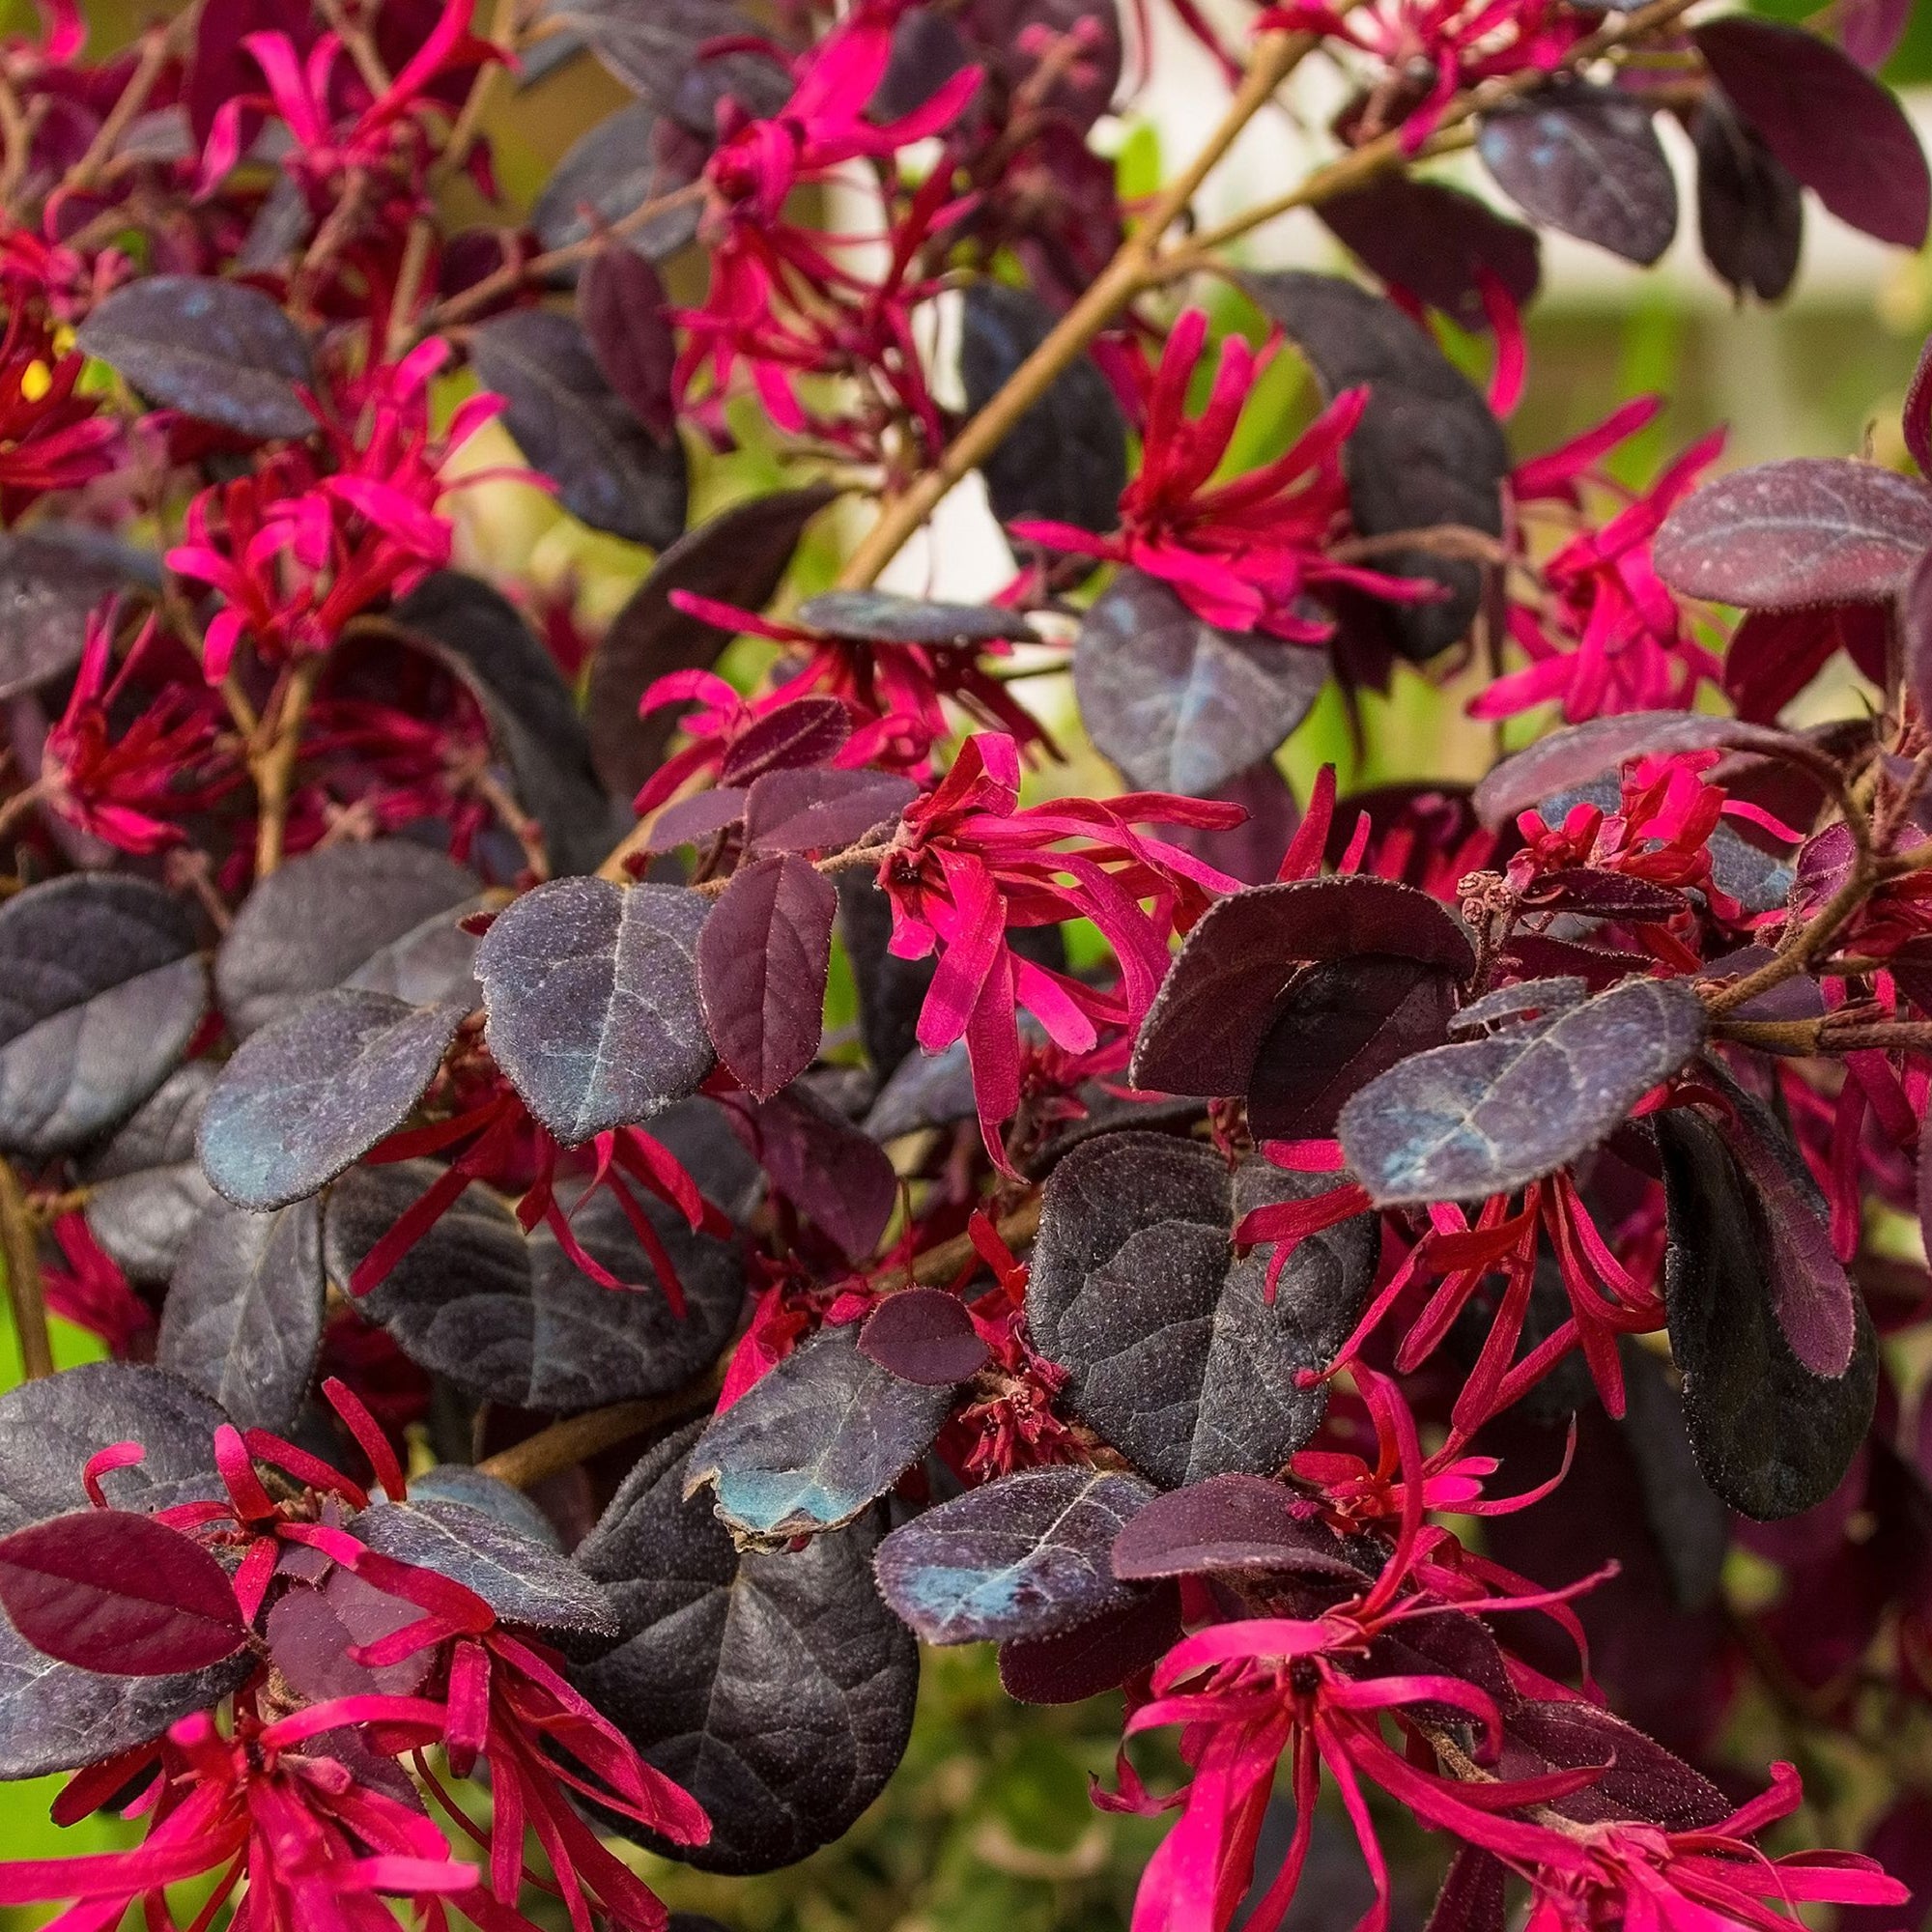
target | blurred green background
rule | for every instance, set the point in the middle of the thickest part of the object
(987, 1827)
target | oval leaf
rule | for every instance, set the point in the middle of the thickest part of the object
(213, 350)
(762, 957)
(1179, 706)
(610, 471)
(1176, 1356)
(715, 1640)
(1023, 1557)
(325, 918)
(812, 1443)
(145, 1188)
(1588, 160)
(1828, 121)
(308, 1096)
(1486, 1117)
(100, 992)
(621, 303)
(1750, 213)
(592, 999)
(1224, 990)
(885, 617)
(112, 1591)
(1813, 529)
(1232, 1522)
(516, 1321)
(243, 1315)
(924, 1335)
(1772, 1437)
(812, 810)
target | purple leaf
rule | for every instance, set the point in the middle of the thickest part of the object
(1595, 894)
(807, 731)
(145, 1187)
(885, 617)
(809, 1445)
(742, 556)
(521, 1579)
(1772, 1437)
(716, 1638)
(698, 819)
(1487, 1115)
(51, 578)
(1836, 129)
(1569, 759)
(308, 1095)
(924, 1335)
(1427, 452)
(609, 473)
(102, 992)
(327, 917)
(1916, 421)
(112, 1591)
(243, 1315)
(1253, 850)
(1179, 706)
(1100, 1654)
(1232, 1522)
(1436, 242)
(1023, 1557)
(827, 1169)
(1065, 458)
(810, 809)
(592, 997)
(312, 1629)
(1224, 990)
(1588, 160)
(1176, 1356)
(1473, 1896)
(628, 158)
(217, 351)
(1507, 1005)
(762, 957)
(516, 1321)
(1812, 529)
(1644, 1780)
(1336, 1028)
(1751, 211)
(621, 305)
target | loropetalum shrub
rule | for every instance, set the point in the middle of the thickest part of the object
(1343, 1273)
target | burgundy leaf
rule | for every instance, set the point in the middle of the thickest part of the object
(1773, 654)
(1836, 129)
(1588, 160)
(311, 1630)
(1253, 850)
(1436, 242)
(1600, 894)
(621, 303)
(742, 555)
(113, 1591)
(924, 1335)
(1917, 418)
(807, 731)
(1573, 758)
(698, 819)
(1100, 1654)
(885, 617)
(1224, 990)
(1751, 211)
(762, 958)
(1509, 1003)
(1915, 628)
(1231, 1523)
(807, 808)
(1338, 1026)
(1870, 31)
(1487, 1115)
(1473, 1896)
(1808, 530)
(827, 1169)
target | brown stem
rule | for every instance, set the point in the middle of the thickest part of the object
(1831, 1034)
(157, 51)
(20, 804)
(19, 1249)
(274, 768)
(566, 1443)
(1276, 56)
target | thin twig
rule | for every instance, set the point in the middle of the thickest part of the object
(274, 768)
(19, 1249)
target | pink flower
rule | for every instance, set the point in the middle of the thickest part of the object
(771, 281)
(1430, 51)
(1609, 637)
(50, 437)
(91, 1292)
(969, 863)
(298, 548)
(129, 791)
(1245, 553)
